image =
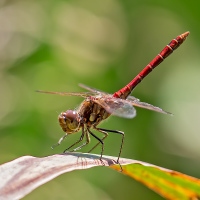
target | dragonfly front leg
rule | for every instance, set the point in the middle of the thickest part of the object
(81, 138)
(88, 141)
(61, 139)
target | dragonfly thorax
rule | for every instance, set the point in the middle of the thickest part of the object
(69, 121)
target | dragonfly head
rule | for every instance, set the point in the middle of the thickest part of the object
(69, 121)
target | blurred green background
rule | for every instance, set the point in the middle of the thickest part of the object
(54, 45)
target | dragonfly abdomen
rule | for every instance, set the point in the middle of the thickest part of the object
(174, 44)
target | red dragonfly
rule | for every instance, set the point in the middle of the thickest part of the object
(99, 105)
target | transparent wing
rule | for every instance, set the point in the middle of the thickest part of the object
(138, 103)
(81, 94)
(92, 89)
(132, 98)
(115, 106)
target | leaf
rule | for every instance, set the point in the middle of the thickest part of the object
(169, 184)
(22, 175)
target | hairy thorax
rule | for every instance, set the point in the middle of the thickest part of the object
(92, 113)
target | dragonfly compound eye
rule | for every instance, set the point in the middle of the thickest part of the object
(69, 121)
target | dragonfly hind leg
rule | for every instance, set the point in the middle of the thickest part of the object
(100, 141)
(105, 135)
(104, 131)
(119, 132)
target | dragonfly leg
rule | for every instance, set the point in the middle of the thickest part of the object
(81, 138)
(119, 132)
(88, 141)
(105, 135)
(61, 139)
(100, 141)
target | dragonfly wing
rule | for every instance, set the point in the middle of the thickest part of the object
(132, 98)
(92, 89)
(147, 106)
(82, 94)
(116, 106)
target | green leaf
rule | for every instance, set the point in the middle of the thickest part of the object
(169, 184)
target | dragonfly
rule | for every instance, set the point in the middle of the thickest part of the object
(98, 106)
